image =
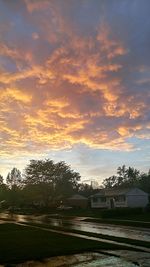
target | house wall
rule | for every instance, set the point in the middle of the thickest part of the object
(121, 204)
(107, 204)
(137, 198)
(137, 201)
(134, 198)
(99, 204)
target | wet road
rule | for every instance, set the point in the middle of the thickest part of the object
(142, 234)
(105, 229)
(86, 260)
(123, 258)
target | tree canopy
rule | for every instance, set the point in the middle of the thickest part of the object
(47, 183)
(125, 177)
(55, 179)
(14, 178)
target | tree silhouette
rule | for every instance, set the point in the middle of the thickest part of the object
(54, 180)
(1, 179)
(125, 177)
(14, 178)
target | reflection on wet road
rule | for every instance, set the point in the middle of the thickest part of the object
(115, 258)
(112, 230)
(142, 234)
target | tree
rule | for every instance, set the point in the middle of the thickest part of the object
(1, 179)
(144, 181)
(125, 177)
(14, 178)
(3, 190)
(14, 183)
(65, 179)
(39, 171)
(122, 175)
(36, 194)
(110, 182)
(132, 176)
(56, 180)
(86, 190)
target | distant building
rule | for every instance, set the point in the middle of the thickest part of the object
(119, 198)
(78, 201)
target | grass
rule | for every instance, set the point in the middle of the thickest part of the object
(21, 243)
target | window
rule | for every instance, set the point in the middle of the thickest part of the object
(102, 199)
(99, 199)
(95, 199)
(120, 198)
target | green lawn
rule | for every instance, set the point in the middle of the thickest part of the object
(20, 243)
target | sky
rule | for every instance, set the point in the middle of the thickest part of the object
(75, 84)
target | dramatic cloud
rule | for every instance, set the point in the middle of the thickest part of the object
(74, 73)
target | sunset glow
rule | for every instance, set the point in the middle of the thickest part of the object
(74, 84)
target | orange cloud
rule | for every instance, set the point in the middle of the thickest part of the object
(109, 45)
(15, 94)
(36, 71)
(36, 5)
(66, 89)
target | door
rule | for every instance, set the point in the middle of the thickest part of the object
(112, 204)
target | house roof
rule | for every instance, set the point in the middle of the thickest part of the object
(78, 197)
(113, 192)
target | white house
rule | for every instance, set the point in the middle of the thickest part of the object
(118, 198)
